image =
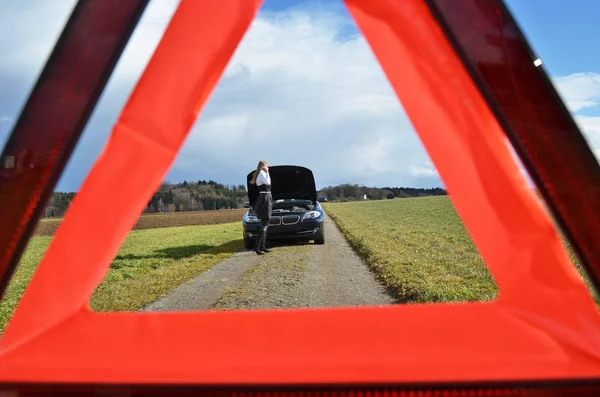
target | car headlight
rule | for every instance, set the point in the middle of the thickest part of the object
(311, 215)
(251, 219)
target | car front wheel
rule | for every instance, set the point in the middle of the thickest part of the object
(248, 243)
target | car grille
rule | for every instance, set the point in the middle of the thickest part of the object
(290, 219)
(285, 220)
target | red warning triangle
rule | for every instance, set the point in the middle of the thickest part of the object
(544, 324)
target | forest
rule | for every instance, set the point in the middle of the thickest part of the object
(348, 192)
(209, 195)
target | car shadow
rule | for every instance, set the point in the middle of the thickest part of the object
(186, 251)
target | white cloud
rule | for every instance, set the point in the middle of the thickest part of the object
(297, 91)
(4, 125)
(143, 42)
(29, 31)
(294, 93)
(579, 90)
(425, 169)
(590, 127)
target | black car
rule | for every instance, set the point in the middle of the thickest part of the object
(297, 214)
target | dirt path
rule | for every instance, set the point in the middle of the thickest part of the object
(304, 275)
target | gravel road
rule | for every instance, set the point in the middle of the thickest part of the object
(290, 276)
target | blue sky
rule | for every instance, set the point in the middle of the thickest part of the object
(301, 74)
(566, 35)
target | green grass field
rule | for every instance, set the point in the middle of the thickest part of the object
(150, 263)
(418, 247)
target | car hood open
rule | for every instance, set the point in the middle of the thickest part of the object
(287, 182)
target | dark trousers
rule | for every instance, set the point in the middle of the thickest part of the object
(262, 234)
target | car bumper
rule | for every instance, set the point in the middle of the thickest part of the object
(281, 232)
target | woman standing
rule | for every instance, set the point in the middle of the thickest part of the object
(264, 204)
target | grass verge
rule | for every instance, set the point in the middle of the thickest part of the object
(420, 248)
(29, 261)
(150, 263)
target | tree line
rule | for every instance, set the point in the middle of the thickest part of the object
(347, 192)
(58, 204)
(196, 196)
(210, 195)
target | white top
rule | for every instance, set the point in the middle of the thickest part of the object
(263, 178)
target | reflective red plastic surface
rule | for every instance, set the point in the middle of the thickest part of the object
(536, 121)
(54, 116)
(125, 347)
